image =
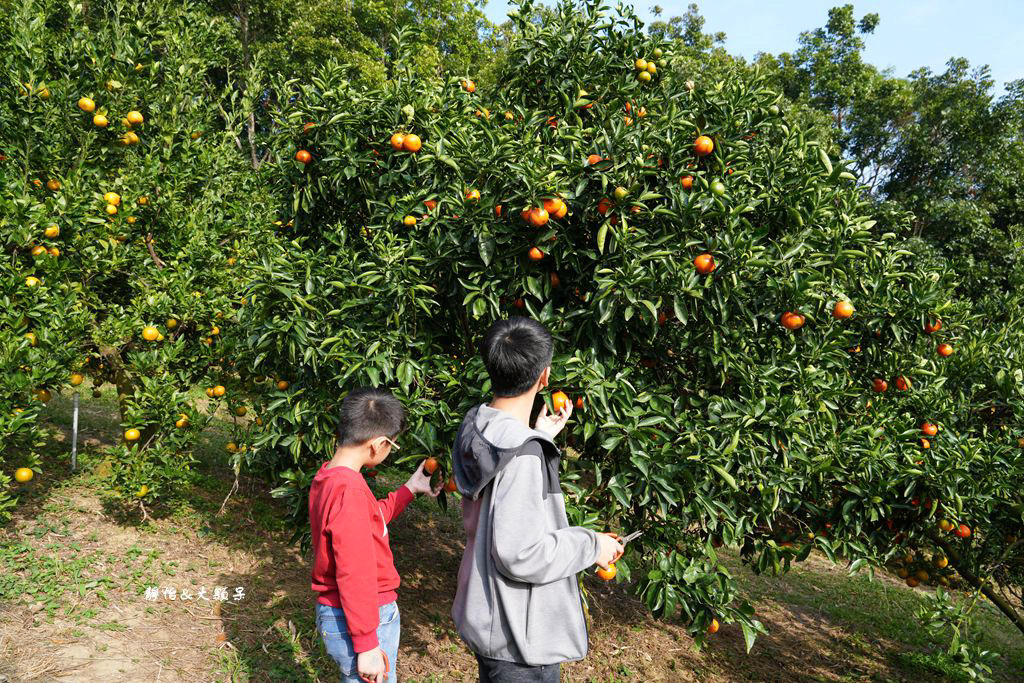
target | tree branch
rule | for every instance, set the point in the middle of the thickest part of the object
(152, 253)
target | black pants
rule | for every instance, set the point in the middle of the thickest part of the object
(497, 671)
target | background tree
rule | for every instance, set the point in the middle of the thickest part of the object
(153, 215)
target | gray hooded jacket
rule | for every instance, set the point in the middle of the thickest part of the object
(518, 597)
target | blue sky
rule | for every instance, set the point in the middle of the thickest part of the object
(911, 34)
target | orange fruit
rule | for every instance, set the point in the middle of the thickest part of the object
(640, 64)
(409, 221)
(87, 105)
(473, 195)
(430, 204)
(282, 385)
(912, 581)
(31, 281)
(792, 321)
(135, 117)
(130, 138)
(519, 303)
(430, 465)
(397, 142)
(112, 198)
(842, 310)
(44, 395)
(535, 254)
(76, 379)
(946, 525)
(705, 263)
(38, 250)
(928, 429)
(940, 562)
(555, 280)
(553, 206)
(903, 383)
(880, 385)
(52, 232)
(306, 127)
(704, 146)
(150, 333)
(713, 628)
(608, 574)
(468, 85)
(450, 486)
(686, 181)
(559, 400)
(934, 326)
(925, 443)
(593, 159)
(944, 350)
(537, 217)
(231, 447)
(100, 121)
(209, 392)
(132, 435)
(240, 411)
(182, 421)
(604, 206)
(963, 531)
(23, 475)
(412, 143)
(579, 403)
(53, 185)
(219, 390)
(304, 157)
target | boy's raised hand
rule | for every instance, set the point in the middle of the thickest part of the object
(553, 424)
(419, 482)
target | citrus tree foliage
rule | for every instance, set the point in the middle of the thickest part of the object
(703, 420)
(125, 198)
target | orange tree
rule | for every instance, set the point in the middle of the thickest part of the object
(127, 205)
(752, 363)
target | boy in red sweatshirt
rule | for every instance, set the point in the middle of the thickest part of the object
(353, 569)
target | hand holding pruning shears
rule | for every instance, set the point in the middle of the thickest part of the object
(609, 573)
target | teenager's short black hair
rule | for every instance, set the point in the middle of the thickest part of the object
(368, 413)
(515, 352)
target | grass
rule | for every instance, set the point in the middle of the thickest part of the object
(76, 574)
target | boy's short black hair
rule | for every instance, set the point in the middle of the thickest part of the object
(367, 413)
(515, 352)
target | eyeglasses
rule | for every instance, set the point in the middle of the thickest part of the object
(393, 444)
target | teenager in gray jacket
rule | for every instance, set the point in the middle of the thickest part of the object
(518, 604)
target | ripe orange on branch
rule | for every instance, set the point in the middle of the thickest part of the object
(842, 310)
(792, 321)
(704, 146)
(705, 264)
(303, 156)
(559, 400)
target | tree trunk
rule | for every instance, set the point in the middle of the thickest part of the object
(971, 578)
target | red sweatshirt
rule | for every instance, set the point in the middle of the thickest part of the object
(352, 563)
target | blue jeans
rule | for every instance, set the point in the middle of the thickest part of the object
(332, 627)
